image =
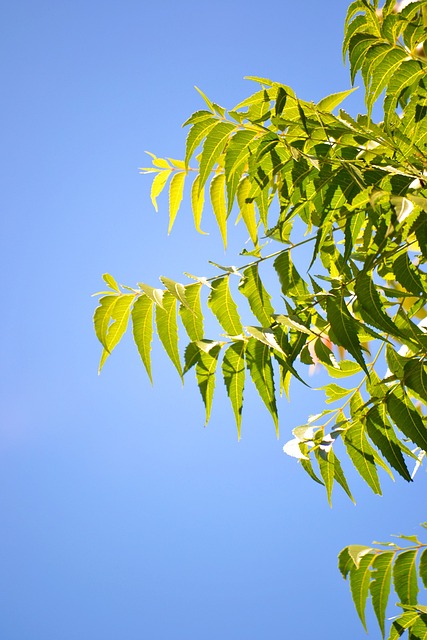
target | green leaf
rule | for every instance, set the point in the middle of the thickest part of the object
(362, 455)
(401, 624)
(206, 99)
(205, 373)
(167, 328)
(380, 585)
(407, 275)
(291, 282)
(340, 477)
(330, 102)
(344, 328)
(247, 209)
(157, 186)
(102, 317)
(406, 418)
(213, 146)
(405, 576)
(423, 567)
(197, 133)
(176, 190)
(382, 435)
(359, 584)
(224, 308)
(385, 66)
(191, 314)
(177, 290)
(156, 295)
(345, 562)
(369, 299)
(233, 370)
(197, 203)
(120, 316)
(259, 300)
(327, 472)
(217, 195)
(258, 361)
(111, 282)
(236, 158)
(415, 377)
(142, 323)
(334, 392)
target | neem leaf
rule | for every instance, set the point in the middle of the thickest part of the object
(120, 316)
(369, 299)
(406, 417)
(380, 585)
(102, 317)
(405, 576)
(359, 583)
(259, 300)
(191, 313)
(344, 328)
(233, 370)
(176, 190)
(213, 146)
(362, 455)
(258, 361)
(205, 374)
(142, 323)
(167, 328)
(217, 195)
(224, 308)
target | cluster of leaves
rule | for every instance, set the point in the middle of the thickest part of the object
(373, 570)
(358, 191)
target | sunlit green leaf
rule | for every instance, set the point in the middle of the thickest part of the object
(167, 328)
(224, 308)
(233, 370)
(142, 322)
(258, 360)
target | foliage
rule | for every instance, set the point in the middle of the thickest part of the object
(373, 570)
(301, 175)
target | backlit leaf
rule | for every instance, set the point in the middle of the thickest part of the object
(224, 308)
(258, 361)
(176, 190)
(259, 300)
(380, 585)
(119, 320)
(233, 370)
(191, 313)
(167, 328)
(142, 323)
(217, 195)
(405, 576)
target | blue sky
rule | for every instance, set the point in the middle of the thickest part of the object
(122, 517)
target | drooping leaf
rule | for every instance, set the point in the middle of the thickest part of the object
(233, 370)
(205, 373)
(258, 361)
(142, 323)
(247, 209)
(423, 567)
(326, 461)
(158, 184)
(369, 299)
(406, 418)
(291, 282)
(111, 282)
(359, 583)
(405, 576)
(259, 300)
(119, 320)
(213, 146)
(167, 328)
(217, 195)
(197, 203)
(382, 435)
(344, 328)
(224, 308)
(176, 190)
(380, 585)
(191, 313)
(102, 317)
(407, 275)
(362, 455)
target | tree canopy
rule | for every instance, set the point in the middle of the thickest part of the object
(301, 175)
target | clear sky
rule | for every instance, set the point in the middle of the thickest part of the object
(122, 518)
